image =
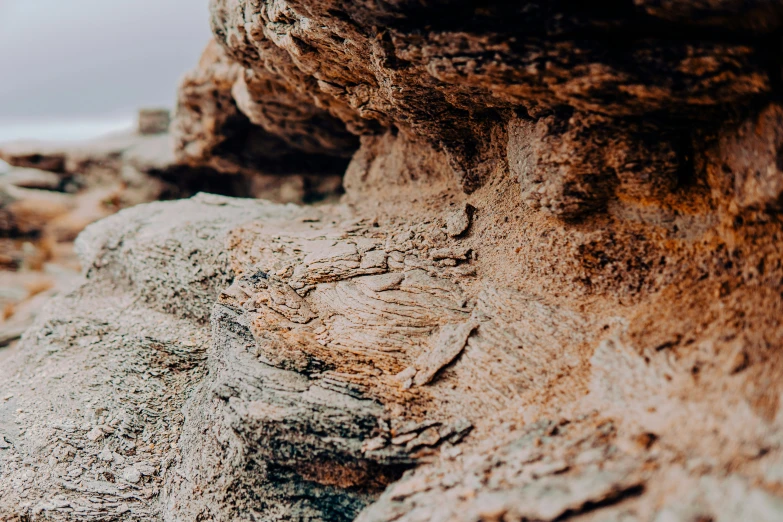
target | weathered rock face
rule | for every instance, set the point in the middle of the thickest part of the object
(552, 290)
(448, 72)
(52, 191)
(220, 126)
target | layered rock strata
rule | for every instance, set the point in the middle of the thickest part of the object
(551, 292)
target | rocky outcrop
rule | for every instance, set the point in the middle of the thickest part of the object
(86, 461)
(218, 125)
(47, 197)
(141, 166)
(552, 290)
(448, 72)
(52, 191)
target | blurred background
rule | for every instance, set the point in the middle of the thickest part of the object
(75, 69)
(86, 93)
(74, 75)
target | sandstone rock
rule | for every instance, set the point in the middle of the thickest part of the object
(458, 222)
(288, 136)
(569, 168)
(101, 176)
(88, 208)
(67, 158)
(292, 368)
(744, 166)
(450, 84)
(12, 332)
(597, 341)
(28, 211)
(34, 155)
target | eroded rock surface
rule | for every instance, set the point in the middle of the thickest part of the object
(449, 72)
(552, 290)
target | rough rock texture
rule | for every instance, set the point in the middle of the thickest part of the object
(51, 191)
(552, 290)
(219, 126)
(449, 71)
(132, 351)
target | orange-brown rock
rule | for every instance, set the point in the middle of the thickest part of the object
(552, 290)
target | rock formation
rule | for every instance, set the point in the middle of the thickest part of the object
(551, 291)
(52, 191)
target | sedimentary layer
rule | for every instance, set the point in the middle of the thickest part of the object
(552, 290)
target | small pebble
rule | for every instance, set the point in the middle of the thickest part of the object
(458, 222)
(106, 455)
(131, 474)
(95, 434)
(145, 468)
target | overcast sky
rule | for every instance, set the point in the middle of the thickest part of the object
(63, 59)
